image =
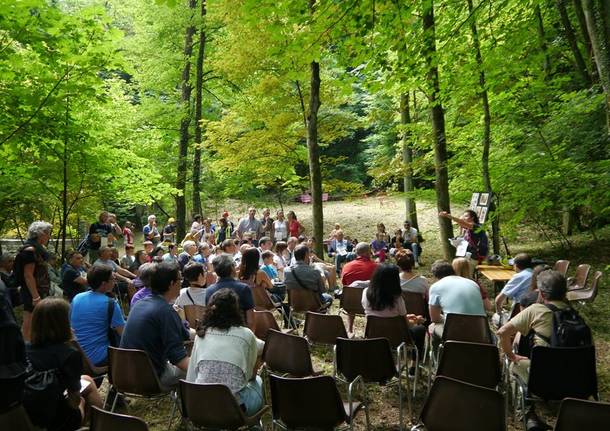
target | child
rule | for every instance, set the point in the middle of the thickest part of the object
(333, 233)
(268, 265)
(379, 246)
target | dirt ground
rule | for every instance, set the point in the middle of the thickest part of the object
(358, 219)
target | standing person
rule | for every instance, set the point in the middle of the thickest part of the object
(224, 231)
(251, 225)
(155, 327)
(169, 230)
(73, 275)
(280, 227)
(128, 234)
(115, 229)
(196, 225)
(227, 352)
(280, 258)
(411, 240)
(99, 233)
(295, 228)
(150, 231)
(472, 232)
(267, 223)
(50, 349)
(31, 271)
(208, 231)
(290, 246)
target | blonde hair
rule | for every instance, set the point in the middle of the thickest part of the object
(462, 267)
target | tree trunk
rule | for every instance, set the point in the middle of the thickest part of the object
(568, 31)
(407, 158)
(542, 40)
(582, 24)
(198, 103)
(64, 196)
(438, 129)
(486, 123)
(184, 130)
(596, 15)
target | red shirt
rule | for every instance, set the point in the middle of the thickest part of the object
(360, 269)
(293, 227)
(128, 235)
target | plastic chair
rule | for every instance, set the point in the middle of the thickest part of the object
(562, 266)
(131, 373)
(585, 295)
(304, 300)
(194, 314)
(453, 405)
(323, 328)
(287, 354)
(464, 327)
(312, 402)
(557, 373)
(351, 300)
(370, 361)
(474, 363)
(16, 419)
(265, 321)
(263, 302)
(102, 420)
(582, 415)
(220, 408)
(579, 281)
(416, 304)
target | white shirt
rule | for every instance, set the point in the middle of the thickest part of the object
(280, 229)
(410, 235)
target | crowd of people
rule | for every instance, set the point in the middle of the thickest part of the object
(219, 266)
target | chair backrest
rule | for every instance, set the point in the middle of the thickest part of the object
(303, 300)
(16, 419)
(312, 402)
(415, 303)
(210, 405)
(464, 327)
(262, 300)
(395, 329)
(89, 368)
(370, 358)
(351, 300)
(560, 372)
(581, 275)
(581, 414)
(475, 363)
(453, 405)
(287, 354)
(194, 314)
(595, 285)
(131, 371)
(562, 266)
(102, 420)
(264, 321)
(323, 328)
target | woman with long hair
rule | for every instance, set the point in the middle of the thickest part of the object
(383, 298)
(50, 351)
(463, 268)
(295, 228)
(227, 352)
(249, 271)
(473, 233)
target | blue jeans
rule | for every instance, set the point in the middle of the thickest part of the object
(251, 396)
(326, 298)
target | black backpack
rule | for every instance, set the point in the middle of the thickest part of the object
(42, 395)
(569, 329)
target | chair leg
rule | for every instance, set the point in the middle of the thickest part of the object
(174, 398)
(107, 395)
(116, 397)
(366, 416)
(400, 414)
(416, 371)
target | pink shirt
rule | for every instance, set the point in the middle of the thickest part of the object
(128, 235)
(398, 309)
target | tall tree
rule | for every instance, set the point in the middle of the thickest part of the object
(568, 31)
(582, 24)
(184, 128)
(438, 126)
(407, 158)
(546, 66)
(198, 107)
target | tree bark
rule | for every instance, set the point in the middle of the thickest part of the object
(597, 18)
(568, 31)
(184, 130)
(64, 195)
(198, 104)
(582, 24)
(407, 158)
(486, 122)
(546, 67)
(438, 128)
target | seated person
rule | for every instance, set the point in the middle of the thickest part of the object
(462, 267)
(519, 284)
(411, 241)
(410, 281)
(129, 259)
(302, 275)
(341, 250)
(227, 352)
(50, 349)
(105, 258)
(89, 315)
(142, 282)
(203, 253)
(397, 242)
(155, 327)
(268, 266)
(379, 247)
(383, 298)
(73, 275)
(451, 294)
(195, 274)
(538, 317)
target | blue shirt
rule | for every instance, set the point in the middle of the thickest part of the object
(154, 326)
(270, 271)
(457, 295)
(89, 319)
(246, 301)
(518, 285)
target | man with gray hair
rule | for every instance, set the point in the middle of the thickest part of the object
(224, 267)
(250, 225)
(31, 271)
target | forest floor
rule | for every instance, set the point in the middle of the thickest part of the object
(359, 218)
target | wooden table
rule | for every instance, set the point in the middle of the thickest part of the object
(498, 275)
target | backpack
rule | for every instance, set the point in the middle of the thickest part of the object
(83, 246)
(42, 395)
(569, 329)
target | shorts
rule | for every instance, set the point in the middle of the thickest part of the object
(26, 298)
